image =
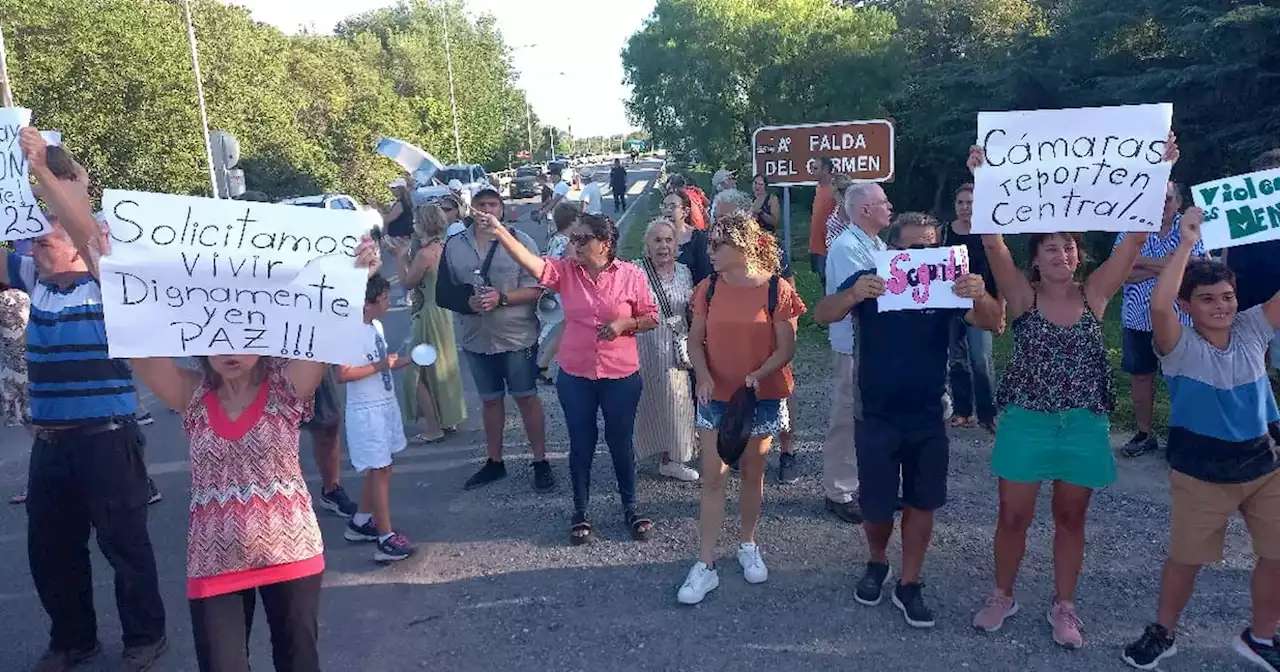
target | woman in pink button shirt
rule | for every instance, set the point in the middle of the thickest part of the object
(606, 303)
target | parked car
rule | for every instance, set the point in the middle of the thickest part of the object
(336, 202)
(471, 175)
(566, 171)
(525, 182)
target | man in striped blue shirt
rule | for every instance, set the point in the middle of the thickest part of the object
(87, 469)
(1138, 358)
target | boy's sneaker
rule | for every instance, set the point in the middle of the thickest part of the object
(1155, 644)
(395, 547)
(1066, 625)
(870, 588)
(700, 581)
(543, 480)
(992, 617)
(908, 598)
(145, 418)
(154, 496)
(753, 569)
(336, 501)
(788, 473)
(678, 471)
(1265, 656)
(1141, 444)
(360, 533)
(490, 472)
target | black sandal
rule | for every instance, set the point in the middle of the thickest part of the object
(579, 531)
(640, 526)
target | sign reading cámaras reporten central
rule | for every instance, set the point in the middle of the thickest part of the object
(199, 276)
(788, 155)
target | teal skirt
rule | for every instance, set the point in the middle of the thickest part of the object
(1072, 446)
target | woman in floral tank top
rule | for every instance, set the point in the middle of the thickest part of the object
(252, 530)
(1056, 397)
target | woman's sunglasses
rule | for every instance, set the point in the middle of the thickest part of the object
(581, 238)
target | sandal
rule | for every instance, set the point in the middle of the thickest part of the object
(580, 531)
(420, 439)
(958, 421)
(640, 526)
(18, 499)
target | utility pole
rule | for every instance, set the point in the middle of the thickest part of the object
(528, 120)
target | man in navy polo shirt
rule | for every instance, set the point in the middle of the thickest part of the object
(87, 470)
(900, 436)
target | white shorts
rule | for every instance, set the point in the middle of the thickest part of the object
(375, 432)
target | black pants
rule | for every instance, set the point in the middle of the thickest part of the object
(619, 200)
(221, 626)
(97, 481)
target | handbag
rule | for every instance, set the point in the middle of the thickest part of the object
(679, 327)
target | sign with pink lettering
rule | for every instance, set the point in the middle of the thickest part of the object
(922, 278)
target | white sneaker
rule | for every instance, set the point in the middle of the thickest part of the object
(701, 580)
(753, 569)
(678, 471)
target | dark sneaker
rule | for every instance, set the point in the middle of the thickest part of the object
(141, 658)
(1141, 444)
(870, 588)
(360, 533)
(490, 472)
(787, 471)
(396, 547)
(1155, 644)
(155, 495)
(336, 501)
(145, 419)
(909, 600)
(846, 511)
(543, 480)
(60, 661)
(1265, 656)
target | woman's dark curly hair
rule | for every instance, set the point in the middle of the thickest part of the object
(602, 229)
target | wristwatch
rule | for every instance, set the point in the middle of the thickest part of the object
(502, 299)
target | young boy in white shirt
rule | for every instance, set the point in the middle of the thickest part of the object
(375, 429)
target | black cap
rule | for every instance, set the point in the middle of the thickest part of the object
(487, 189)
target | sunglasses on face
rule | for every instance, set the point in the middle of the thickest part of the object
(581, 238)
(448, 209)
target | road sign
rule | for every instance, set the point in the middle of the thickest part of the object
(788, 155)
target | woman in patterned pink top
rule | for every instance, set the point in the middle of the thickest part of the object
(606, 303)
(252, 530)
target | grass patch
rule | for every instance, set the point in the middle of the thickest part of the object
(813, 335)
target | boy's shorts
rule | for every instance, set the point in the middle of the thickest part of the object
(891, 457)
(375, 432)
(1201, 510)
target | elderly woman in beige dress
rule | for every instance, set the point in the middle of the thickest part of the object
(665, 418)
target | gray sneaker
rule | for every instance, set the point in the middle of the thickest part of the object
(396, 547)
(141, 658)
(788, 473)
(61, 661)
(1141, 444)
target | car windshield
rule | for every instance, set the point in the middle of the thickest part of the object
(555, 165)
(527, 172)
(462, 175)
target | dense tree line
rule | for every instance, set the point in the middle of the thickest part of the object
(707, 72)
(115, 76)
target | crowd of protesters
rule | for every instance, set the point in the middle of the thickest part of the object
(631, 342)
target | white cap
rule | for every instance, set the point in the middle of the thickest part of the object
(398, 182)
(455, 184)
(721, 177)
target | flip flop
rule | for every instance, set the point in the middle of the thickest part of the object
(18, 499)
(419, 440)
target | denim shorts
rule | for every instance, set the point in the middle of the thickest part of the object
(514, 373)
(1137, 353)
(771, 417)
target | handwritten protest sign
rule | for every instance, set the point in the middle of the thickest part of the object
(19, 213)
(200, 276)
(917, 279)
(1240, 210)
(1088, 169)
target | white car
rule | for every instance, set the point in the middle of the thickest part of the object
(471, 175)
(336, 202)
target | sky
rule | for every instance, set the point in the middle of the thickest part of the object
(572, 71)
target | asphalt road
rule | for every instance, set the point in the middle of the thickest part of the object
(495, 585)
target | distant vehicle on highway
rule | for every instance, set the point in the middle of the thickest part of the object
(566, 171)
(525, 182)
(471, 175)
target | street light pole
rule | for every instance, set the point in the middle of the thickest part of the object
(453, 101)
(204, 117)
(6, 92)
(528, 120)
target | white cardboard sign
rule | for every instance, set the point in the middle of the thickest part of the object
(1240, 210)
(199, 276)
(1086, 169)
(20, 215)
(918, 279)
